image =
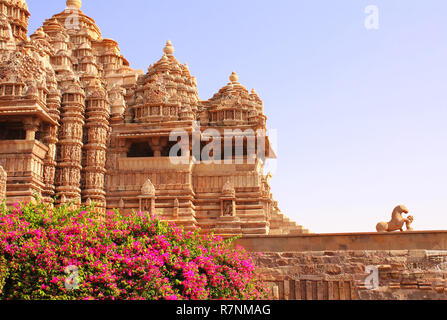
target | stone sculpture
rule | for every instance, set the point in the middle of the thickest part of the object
(397, 221)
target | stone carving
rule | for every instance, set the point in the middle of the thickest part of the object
(147, 198)
(228, 190)
(148, 188)
(228, 208)
(228, 200)
(397, 221)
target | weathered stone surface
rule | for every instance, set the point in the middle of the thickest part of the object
(347, 280)
(343, 274)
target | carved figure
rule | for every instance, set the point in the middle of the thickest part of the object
(397, 221)
(228, 208)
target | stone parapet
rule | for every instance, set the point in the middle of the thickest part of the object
(425, 240)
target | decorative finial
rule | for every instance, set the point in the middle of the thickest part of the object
(253, 91)
(169, 49)
(74, 4)
(234, 77)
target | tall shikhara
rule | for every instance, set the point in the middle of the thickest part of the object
(79, 125)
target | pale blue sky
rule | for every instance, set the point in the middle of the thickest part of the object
(361, 114)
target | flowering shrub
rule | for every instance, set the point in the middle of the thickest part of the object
(62, 254)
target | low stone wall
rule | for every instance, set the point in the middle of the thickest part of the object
(425, 240)
(397, 271)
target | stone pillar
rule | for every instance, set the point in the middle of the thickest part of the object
(31, 126)
(176, 208)
(51, 140)
(157, 144)
(97, 126)
(3, 177)
(68, 173)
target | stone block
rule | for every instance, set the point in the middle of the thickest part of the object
(417, 253)
(398, 253)
(333, 269)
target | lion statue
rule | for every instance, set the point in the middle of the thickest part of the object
(397, 221)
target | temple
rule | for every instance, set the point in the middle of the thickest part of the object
(79, 125)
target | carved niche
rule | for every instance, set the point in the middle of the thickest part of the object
(228, 200)
(147, 198)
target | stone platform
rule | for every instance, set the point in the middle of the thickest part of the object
(408, 266)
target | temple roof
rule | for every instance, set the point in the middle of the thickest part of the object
(168, 64)
(235, 95)
(170, 78)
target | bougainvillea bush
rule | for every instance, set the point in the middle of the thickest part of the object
(67, 254)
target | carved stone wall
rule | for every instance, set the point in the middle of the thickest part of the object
(366, 266)
(342, 275)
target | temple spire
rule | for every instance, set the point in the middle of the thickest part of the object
(234, 78)
(169, 49)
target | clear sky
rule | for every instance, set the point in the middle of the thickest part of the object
(361, 114)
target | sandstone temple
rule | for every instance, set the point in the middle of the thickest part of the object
(79, 125)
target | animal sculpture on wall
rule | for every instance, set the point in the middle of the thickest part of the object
(397, 221)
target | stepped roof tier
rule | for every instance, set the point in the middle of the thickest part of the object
(167, 86)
